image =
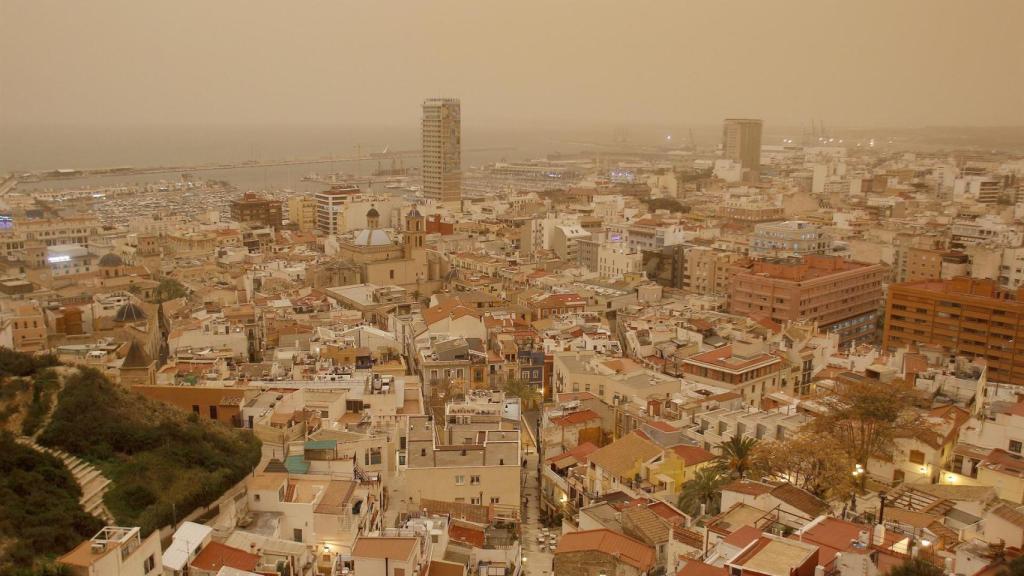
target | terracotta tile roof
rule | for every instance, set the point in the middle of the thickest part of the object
(667, 512)
(1005, 462)
(1010, 514)
(663, 426)
(472, 512)
(743, 536)
(581, 453)
(723, 358)
(802, 500)
(217, 555)
(693, 455)
(445, 568)
(621, 456)
(627, 550)
(451, 308)
(462, 533)
(576, 418)
(376, 547)
(748, 487)
(650, 527)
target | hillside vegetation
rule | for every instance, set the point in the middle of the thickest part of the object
(40, 516)
(163, 462)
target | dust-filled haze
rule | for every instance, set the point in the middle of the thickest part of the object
(884, 62)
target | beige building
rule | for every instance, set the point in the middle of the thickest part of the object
(116, 551)
(302, 212)
(442, 149)
(613, 380)
(472, 458)
(741, 142)
(23, 327)
(791, 238)
(744, 367)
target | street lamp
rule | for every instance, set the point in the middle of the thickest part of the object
(858, 472)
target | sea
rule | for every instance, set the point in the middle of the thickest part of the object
(35, 148)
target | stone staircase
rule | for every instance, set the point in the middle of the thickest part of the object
(89, 478)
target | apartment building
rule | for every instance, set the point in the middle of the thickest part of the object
(792, 238)
(442, 149)
(473, 457)
(965, 316)
(741, 142)
(116, 551)
(254, 209)
(330, 205)
(840, 295)
(23, 327)
(394, 553)
(746, 368)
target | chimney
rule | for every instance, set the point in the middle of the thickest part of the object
(879, 535)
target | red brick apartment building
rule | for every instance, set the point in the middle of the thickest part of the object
(965, 316)
(842, 296)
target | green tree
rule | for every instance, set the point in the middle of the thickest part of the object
(864, 417)
(704, 488)
(169, 289)
(916, 567)
(737, 457)
(1014, 568)
(808, 460)
(526, 392)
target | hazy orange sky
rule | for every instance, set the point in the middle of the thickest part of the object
(850, 63)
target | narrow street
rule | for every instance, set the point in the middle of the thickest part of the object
(536, 561)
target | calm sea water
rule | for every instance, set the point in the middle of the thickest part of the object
(25, 148)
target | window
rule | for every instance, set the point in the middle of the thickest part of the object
(474, 480)
(297, 534)
(391, 273)
(213, 412)
(916, 457)
(423, 451)
(195, 408)
(495, 499)
(1015, 446)
(475, 500)
(149, 564)
(460, 480)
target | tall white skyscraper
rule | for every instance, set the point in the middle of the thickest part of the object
(442, 149)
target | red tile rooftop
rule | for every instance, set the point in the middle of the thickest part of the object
(743, 536)
(663, 426)
(724, 358)
(627, 550)
(216, 555)
(580, 453)
(575, 418)
(693, 455)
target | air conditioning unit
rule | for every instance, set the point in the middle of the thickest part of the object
(98, 547)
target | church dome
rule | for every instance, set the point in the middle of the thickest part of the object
(414, 213)
(372, 238)
(111, 260)
(129, 313)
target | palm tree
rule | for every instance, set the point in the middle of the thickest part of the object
(704, 488)
(737, 456)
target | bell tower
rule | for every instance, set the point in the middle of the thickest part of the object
(415, 232)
